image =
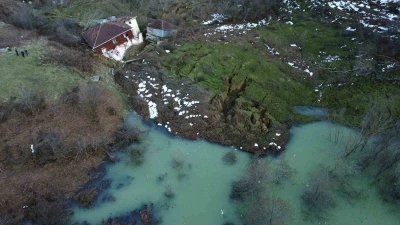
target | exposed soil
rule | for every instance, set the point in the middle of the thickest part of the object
(218, 118)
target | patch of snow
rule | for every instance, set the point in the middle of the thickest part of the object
(331, 58)
(271, 50)
(216, 17)
(309, 72)
(153, 110)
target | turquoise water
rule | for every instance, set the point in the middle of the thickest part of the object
(311, 111)
(199, 196)
(202, 184)
(312, 145)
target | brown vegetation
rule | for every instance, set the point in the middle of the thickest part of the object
(67, 143)
(69, 57)
(11, 36)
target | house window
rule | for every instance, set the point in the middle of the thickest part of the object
(114, 41)
(126, 36)
(103, 49)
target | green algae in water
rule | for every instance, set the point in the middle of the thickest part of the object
(201, 183)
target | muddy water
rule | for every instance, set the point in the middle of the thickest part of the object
(201, 186)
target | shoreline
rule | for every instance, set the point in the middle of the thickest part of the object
(200, 115)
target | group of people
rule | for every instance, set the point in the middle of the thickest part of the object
(23, 52)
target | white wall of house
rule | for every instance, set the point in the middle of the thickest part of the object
(135, 27)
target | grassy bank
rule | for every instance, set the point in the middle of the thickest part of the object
(29, 73)
(259, 82)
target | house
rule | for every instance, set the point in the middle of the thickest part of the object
(113, 38)
(159, 29)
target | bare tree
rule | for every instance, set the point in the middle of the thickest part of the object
(268, 211)
(283, 171)
(254, 190)
(254, 182)
(377, 120)
(382, 143)
(317, 196)
(25, 16)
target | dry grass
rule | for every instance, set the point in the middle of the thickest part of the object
(11, 36)
(24, 185)
(73, 122)
(22, 180)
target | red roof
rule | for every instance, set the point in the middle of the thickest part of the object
(102, 33)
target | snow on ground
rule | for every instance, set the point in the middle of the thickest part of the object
(243, 26)
(331, 58)
(388, 67)
(374, 13)
(235, 29)
(149, 89)
(271, 50)
(318, 89)
(216, 17)
(297, 66)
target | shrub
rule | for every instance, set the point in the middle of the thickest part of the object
(125, 136)
(136, 156)
(254, 182)
(27, 17)
(178, 161)
(317, 196)
(66, 32)
(229, 158)
(69, 57)
(5, 111)
(48, 148)
(32, 101)
(48, 211)
(168, 191)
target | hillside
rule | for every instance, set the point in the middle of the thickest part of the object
(232, 74)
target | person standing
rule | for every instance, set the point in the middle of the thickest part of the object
(23, 54)
(26, 52)
(16, 51)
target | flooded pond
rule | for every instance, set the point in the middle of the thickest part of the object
(193, 170)
(188, 183)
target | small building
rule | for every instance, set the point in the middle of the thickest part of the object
(159, 29)
(113, 38)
